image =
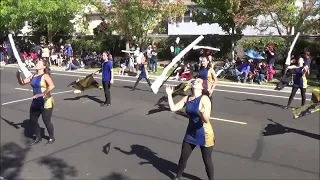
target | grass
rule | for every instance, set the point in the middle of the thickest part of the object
(312, 82)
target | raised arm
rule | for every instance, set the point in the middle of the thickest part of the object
(306, 70)
(292, 67)
(179, 105)
(22, 81)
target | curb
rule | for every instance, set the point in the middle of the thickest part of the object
(154, 77)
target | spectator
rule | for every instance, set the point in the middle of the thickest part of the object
(262, 73)
(243, 70)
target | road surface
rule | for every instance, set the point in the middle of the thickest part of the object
(135, 139)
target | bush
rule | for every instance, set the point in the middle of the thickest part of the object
(260, 43)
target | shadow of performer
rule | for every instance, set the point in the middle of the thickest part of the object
(28, 129)
(277, 128)
(93, 98)
(115, 176)
(263, 102)
(162, 107)
(164, 166)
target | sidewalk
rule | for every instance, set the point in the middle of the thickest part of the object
(230, 84)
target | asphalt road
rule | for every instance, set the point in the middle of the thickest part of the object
(134, 139)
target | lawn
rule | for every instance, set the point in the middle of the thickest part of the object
(312, 82)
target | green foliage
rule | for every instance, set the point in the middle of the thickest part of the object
(138, 17)
(46, 17)
(229, 14)
(260, 43)
(286, 14)
(13, 14)
(87, 45)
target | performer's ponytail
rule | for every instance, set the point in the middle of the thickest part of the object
(47, 70)
(205, 89)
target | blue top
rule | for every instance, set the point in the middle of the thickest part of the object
(300, 79)
(106, 71)
(143, 73)
(244, 68)
(39, 86)
(203, 74)
(69, 50)
(198, 132)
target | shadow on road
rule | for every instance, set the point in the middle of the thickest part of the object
(275, 129)
(115, 176)
(59, 168)
(263, 102)
(13, 158)
(164, 166)
(93, 98)
(130, 87)
(162, 107)
(27, 126)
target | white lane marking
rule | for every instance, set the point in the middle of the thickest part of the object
(256, 94)
(220, 83)
(237, 92)
(20, 100)
(22, 89)
(226, 120)
(256, 88)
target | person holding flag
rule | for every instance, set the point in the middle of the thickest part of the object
(107, 78)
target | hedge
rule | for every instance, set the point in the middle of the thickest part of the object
(114, 44)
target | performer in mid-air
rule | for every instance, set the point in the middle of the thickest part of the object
(299, 82)
(199, 131)
(42, 103)
(143, 73)
(107, 78)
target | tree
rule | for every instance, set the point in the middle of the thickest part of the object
(51, 17)
(232, 16)
(44, 17)
(138, 17)
(290, 17)
(13, 14)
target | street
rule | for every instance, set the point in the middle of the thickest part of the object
(135, 139)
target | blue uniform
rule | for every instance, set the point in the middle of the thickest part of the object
(39, 86)
(300, 80)
(198, 132)
(206, 75)
(106, 68)
(143, 73)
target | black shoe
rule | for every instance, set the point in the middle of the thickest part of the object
(51, 141)
(132, 89)
(38, 140)
(286, 107)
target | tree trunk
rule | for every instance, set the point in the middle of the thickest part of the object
(232, 44)
(127, 44)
